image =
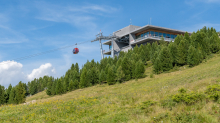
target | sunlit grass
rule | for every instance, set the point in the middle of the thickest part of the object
(121, 102)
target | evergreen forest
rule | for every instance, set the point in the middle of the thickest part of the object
(164, 56)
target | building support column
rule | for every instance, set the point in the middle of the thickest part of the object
(112, 50)
(101, 48)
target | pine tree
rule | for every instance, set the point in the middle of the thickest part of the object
(165, 59)
(126, 68)
(120, 74)
(77, 67)
(182, 53)
(12, 97)
(8, 93)
(102, 77)
(59, 87)
(83, 79)
(153, 50)
(53, 92)
(2, 95)
(147, 51)
(49, 87)
(193, 56)
(139, 69)
(178, 39)
(71, 85)
(20, 93)
(142, 56)
(157, 66)
(136, 49)
(111, 76)
(174, 52)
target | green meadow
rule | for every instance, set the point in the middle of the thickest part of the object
(154, 99)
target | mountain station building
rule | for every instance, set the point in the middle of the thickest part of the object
(131, 36)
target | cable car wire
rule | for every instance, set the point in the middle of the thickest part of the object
(45, 52)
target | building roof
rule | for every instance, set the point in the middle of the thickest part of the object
(156, 28)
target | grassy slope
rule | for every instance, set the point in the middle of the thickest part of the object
(121, 102)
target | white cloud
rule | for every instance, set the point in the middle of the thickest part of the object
(11, 72)
(45, 69)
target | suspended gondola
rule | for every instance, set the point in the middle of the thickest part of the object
(75, 50)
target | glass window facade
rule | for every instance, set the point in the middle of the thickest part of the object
(156, 35)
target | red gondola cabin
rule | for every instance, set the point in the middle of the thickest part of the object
(75, 51)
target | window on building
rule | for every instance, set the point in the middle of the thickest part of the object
(147, 34)
(172, 36)
(164, 35)
(168, 36)
(156, 34)
(160, 34)
(151, 33)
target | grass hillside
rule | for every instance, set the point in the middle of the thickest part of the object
(145, 100)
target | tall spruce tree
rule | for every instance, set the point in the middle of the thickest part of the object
(12, 97)
(126, 68)
(71, 85)
(111, 76)
(165, 59)
(83, 79)
(2, 95)
(157, 66)
(8, 93)
(147, 51)
(102, 77)
(174, 52)
(59, 87)
(120, 74)
(193, 56)
(182, 53)
(20, 93)
(49, 87)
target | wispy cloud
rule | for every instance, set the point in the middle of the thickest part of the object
(194, 2)
(10, 36)
(196, 27)
(76, 15)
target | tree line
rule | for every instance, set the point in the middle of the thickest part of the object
(185, 50)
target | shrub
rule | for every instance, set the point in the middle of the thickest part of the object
(213, 92)
(188, 98)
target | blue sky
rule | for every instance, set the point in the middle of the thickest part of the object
(28, 27)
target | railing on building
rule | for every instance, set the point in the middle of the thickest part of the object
(150, 36)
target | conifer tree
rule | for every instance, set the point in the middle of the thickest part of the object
(165, 59)
(126, 68)
(2, 95)
(83, 79)
(49, 87)
(193, 56)
(8, 93)
(77, 67)
(71, 85)
(182, 53)
(75, 84)
(147, 51)
(115, 60)
(142, 56)
(157, 66)
(12, 97)
(156, 53)
(174, 52)
(178, 39)
(102, 77)
(133, 66)
(93, 76)
(120, 74)
(20, 93)
(53, 92)
(136, 49)
(59, 87)
(111, 76)
(153, 50)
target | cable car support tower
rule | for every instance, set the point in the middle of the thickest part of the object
(100, 37)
